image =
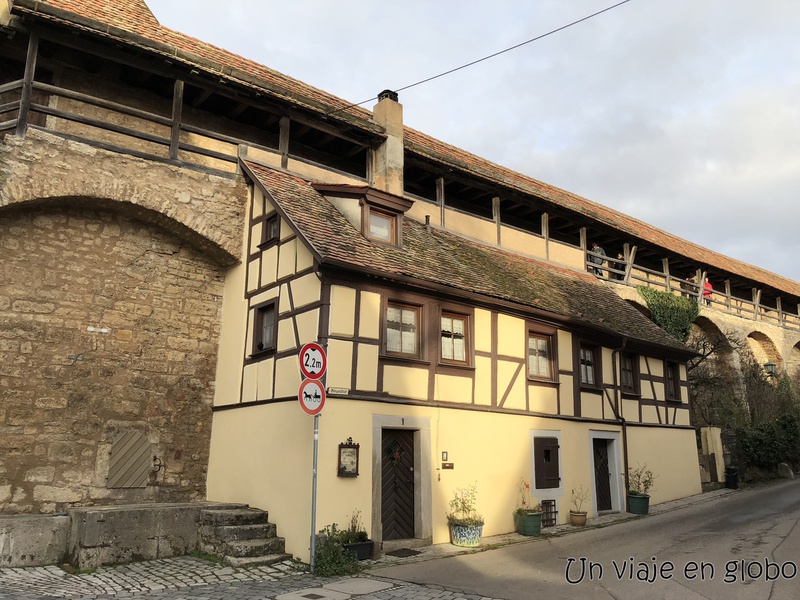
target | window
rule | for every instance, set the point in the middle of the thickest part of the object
(672, 380)
(271, 231)
(589, 365)
(264, 329)
(381, 226)
(454, 338)
(539, 356)
(402, 330)
(629, 372)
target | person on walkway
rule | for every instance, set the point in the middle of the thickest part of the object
(708, 289)
(619, 265)
(598, 258)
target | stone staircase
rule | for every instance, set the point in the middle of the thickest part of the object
(241, 536)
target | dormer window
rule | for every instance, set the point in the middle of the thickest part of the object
(381, 226)
(376, 214)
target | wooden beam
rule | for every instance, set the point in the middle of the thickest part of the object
(177, 111)
(546, 234)
(665, 269)
(756, 302)
(631, 256)
(496, 217)
(728, 294)
(780, 310)
(27, 85)
(283, 141)
(202, 97)
(440, 199)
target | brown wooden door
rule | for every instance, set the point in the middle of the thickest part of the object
(397, 484)
(602, 476)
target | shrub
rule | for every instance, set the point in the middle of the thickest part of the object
(331, 558)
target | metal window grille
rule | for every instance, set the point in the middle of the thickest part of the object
(549, 513)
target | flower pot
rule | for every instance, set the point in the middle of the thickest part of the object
(468, 536)
(638, 504)
(362, 550)
(528, 523)
(577, 519)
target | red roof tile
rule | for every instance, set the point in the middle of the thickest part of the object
(441, 259)
(113, 17)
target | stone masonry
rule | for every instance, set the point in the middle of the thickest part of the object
(137, 251)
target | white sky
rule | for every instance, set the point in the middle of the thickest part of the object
(682, 113)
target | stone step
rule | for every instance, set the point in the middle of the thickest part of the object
(250, 548)
(255, 561)
(232, 533)
(245, 516)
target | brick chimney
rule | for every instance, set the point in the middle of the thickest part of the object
(388, 166)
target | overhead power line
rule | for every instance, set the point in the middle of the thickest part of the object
(480, 60)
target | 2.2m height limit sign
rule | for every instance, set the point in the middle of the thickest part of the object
(313, 364)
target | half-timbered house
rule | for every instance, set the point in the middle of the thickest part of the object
(177, 221)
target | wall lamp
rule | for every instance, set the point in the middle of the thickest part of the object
(770, 367)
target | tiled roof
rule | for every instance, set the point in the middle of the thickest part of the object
(113, 18)
(441, 259)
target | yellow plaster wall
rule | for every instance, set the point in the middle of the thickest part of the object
(369, 325)
(315, 173)
(630, 410)
(249, 382)
(287, 256)
(663, 450)
(288, 381)
(305, 260)
(543, 399)
(479, 229)
(255, 238)
(511, 336)
(286, 335)
(233, 332)
(253, 269)
(340, 361)
(483, 381)
(308, 326)
(261, 455)
(343, 311)
(509, 374)
(591, 406)
(407, 382)
(522, 242)
(566, 255)
(483, 330)
(269, 265)
(567, 399)
(305, 290)
(656, 367)
(649, 414)
(453, 389)
(270, 159)
(564, 350)
(367, 368)
(265, 379)
(420, 208)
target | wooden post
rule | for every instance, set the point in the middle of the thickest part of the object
(584, 247)
(756, 302)
(546, 236)
(630, 256)
(27, 85)
(496, 217)
(665, 268)
(780, 311)
(283, 142)
(440, 198)
(728, 302)
(177, 112)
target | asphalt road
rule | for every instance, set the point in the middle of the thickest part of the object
(744, 545)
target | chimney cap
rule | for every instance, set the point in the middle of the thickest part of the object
(387, 94)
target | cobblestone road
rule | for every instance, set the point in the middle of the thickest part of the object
(189, 578)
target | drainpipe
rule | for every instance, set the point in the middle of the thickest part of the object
(623, 423)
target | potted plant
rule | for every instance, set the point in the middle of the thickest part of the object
(577, 516)
(355, 538)
(640, 482)
(466, 525)
(528, 516)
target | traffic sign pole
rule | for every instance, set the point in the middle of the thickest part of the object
(311, 395)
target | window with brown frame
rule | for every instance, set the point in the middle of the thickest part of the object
(454, 336)
(540, 356)
(672, 380)
(590, 365)
(381, 226)
(629, 372)
(271, 231)
(402, 330)
(264, 328)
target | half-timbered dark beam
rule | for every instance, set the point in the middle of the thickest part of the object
(27, 85)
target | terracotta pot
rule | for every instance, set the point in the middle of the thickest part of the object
(578, 519)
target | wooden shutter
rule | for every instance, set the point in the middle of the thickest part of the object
(129, 465)
(546, 462)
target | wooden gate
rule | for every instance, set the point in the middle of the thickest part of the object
(602, 476)
(397, 484)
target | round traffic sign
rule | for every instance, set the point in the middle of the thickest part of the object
(311, 396)
(313, 361)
